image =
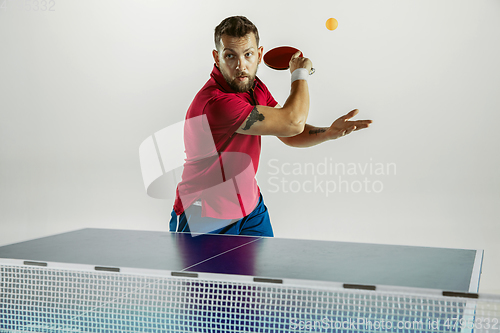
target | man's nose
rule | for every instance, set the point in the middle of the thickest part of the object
(241, 65)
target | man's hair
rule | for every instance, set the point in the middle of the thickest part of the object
(235, 26)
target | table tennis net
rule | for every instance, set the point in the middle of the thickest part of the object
(41, 299)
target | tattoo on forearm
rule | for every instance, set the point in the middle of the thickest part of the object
(254, 117)
(317, 130)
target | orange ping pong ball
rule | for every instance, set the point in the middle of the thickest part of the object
(332, 24)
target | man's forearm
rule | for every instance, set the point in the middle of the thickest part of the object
(311, 136)
(297, 104)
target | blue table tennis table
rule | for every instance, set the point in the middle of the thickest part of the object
(101, 280)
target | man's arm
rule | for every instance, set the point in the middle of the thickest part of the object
(312, 135)
(285, 121)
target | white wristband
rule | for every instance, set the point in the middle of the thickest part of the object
(300, 74)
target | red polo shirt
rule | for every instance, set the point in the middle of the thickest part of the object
(221, 164)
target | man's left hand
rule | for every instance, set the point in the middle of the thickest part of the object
(343, 126)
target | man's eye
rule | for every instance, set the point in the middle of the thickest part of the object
(229, 55)
(249, 54)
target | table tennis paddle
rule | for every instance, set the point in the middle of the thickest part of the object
(279, 57)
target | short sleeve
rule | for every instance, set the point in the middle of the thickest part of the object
(225, 114)
(266, 94)
(271, 101)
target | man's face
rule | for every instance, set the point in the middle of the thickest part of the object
(238, 60)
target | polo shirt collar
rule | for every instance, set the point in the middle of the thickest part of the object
(219, 78)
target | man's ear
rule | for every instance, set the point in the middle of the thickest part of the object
(215, 54)
(261, 52)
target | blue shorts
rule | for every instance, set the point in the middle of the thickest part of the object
(257, 223)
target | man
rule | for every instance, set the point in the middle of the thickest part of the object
(218, 192)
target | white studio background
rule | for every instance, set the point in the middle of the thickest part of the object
(83, 83)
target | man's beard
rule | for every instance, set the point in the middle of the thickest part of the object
(240, 86)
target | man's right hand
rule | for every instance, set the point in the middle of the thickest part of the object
(300, 62)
